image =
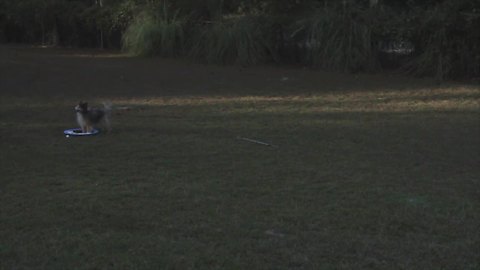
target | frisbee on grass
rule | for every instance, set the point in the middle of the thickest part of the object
(78, 132)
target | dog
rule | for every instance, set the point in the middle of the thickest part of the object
(88, 118)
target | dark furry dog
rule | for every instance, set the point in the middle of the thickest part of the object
(88, 117)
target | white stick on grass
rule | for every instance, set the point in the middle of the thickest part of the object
(256, 141)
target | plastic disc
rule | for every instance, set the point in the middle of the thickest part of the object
(78, 132)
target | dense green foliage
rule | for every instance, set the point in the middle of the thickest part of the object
(447, 39)
(352, 35)
(338, 39)
(155, 32)
(240, 40)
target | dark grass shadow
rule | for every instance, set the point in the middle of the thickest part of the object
(42, 73)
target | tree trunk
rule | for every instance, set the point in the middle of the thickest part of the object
(55, 34)
(100, 4)
(101, 40)
(43, 32)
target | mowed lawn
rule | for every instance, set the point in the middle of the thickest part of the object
(369, 172)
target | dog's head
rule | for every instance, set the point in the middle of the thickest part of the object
(81, 107)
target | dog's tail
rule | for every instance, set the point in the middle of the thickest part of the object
(107, 106)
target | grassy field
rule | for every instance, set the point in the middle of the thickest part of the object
(370, 172)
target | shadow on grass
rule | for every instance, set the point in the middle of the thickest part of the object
(40, 73)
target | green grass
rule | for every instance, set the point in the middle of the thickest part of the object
(380, 179)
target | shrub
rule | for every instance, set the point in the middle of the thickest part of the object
(155, 33)
(338, 38)
(447, 41)
(234, 40)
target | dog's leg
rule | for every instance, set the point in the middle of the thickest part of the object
(107, 123)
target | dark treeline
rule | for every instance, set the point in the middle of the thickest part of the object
(438, 38)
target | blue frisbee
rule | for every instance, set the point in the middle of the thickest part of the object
(78, 132)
